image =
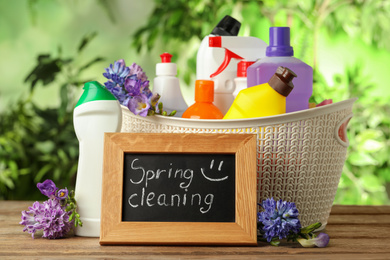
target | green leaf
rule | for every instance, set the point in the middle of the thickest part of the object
(42, 172)
(90, 63)
(108, 9)
(63, 156)
(372, 183)
(45, 147)
(24, 171)
(62, 110)
(361, 159)
(71, 216)
(57, 174)
(369, 134)
(4, 178)
(371, 146)
(187, 77)
(151, 39)
(85, 40)
(46, 70)
(32, 8)
(175, 18)
(13, 166)
(385, 174)
(311, 228)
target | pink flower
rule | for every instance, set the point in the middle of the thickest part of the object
(325, 102)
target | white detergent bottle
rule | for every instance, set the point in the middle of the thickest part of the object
(218, 56)
(167, 85)
(96, 112)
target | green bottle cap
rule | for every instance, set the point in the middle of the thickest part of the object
(93, 91)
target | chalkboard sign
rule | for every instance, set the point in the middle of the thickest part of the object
(179, 189)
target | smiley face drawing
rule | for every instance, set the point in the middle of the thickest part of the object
(202, 170)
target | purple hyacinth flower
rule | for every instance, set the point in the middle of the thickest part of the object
(137, 70)
(62, 194)
(145, 89)
(139, 105)
(50, 217)
(322, 240)
(117, 72)
(28, 219)
(117, 91)
(278, 219)
(133, 86)
(47, 188)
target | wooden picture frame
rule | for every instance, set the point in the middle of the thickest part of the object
(243, 231)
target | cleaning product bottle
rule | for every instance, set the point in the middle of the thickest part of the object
(267, 99)
(280, 53)
(241, 82)
(203, 107)
(219, 54)
(167, 85)
(96, 112)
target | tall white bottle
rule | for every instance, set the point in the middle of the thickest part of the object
(168, 86)
(96, 112)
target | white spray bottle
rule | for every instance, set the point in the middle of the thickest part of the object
(168, 86)
(219, 54)
(96, 112)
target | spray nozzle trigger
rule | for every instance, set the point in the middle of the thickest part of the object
(228, 56)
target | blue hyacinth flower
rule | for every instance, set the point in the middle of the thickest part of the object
(278, 219)
(117, 72)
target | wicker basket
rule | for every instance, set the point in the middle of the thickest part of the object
(300, 155)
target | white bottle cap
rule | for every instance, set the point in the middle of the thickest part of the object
(166, 68)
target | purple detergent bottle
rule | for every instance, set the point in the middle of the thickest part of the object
(280, 53)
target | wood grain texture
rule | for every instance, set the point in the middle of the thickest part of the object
(361, 240)
(115, 231)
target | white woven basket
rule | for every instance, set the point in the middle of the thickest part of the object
(300, 155)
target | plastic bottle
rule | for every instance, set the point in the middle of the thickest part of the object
(96, 112)
(219, 54)
(280, 53)
(241, 81)
(203, 107)
(267, 99)
(167, 85)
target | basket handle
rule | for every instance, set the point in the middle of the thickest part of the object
(340, 132)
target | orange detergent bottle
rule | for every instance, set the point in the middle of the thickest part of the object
(203, 108)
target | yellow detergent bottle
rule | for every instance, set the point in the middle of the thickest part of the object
(267, 99)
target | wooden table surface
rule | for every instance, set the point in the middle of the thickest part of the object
(359, 232)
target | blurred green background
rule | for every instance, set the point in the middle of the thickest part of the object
(49, 48)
